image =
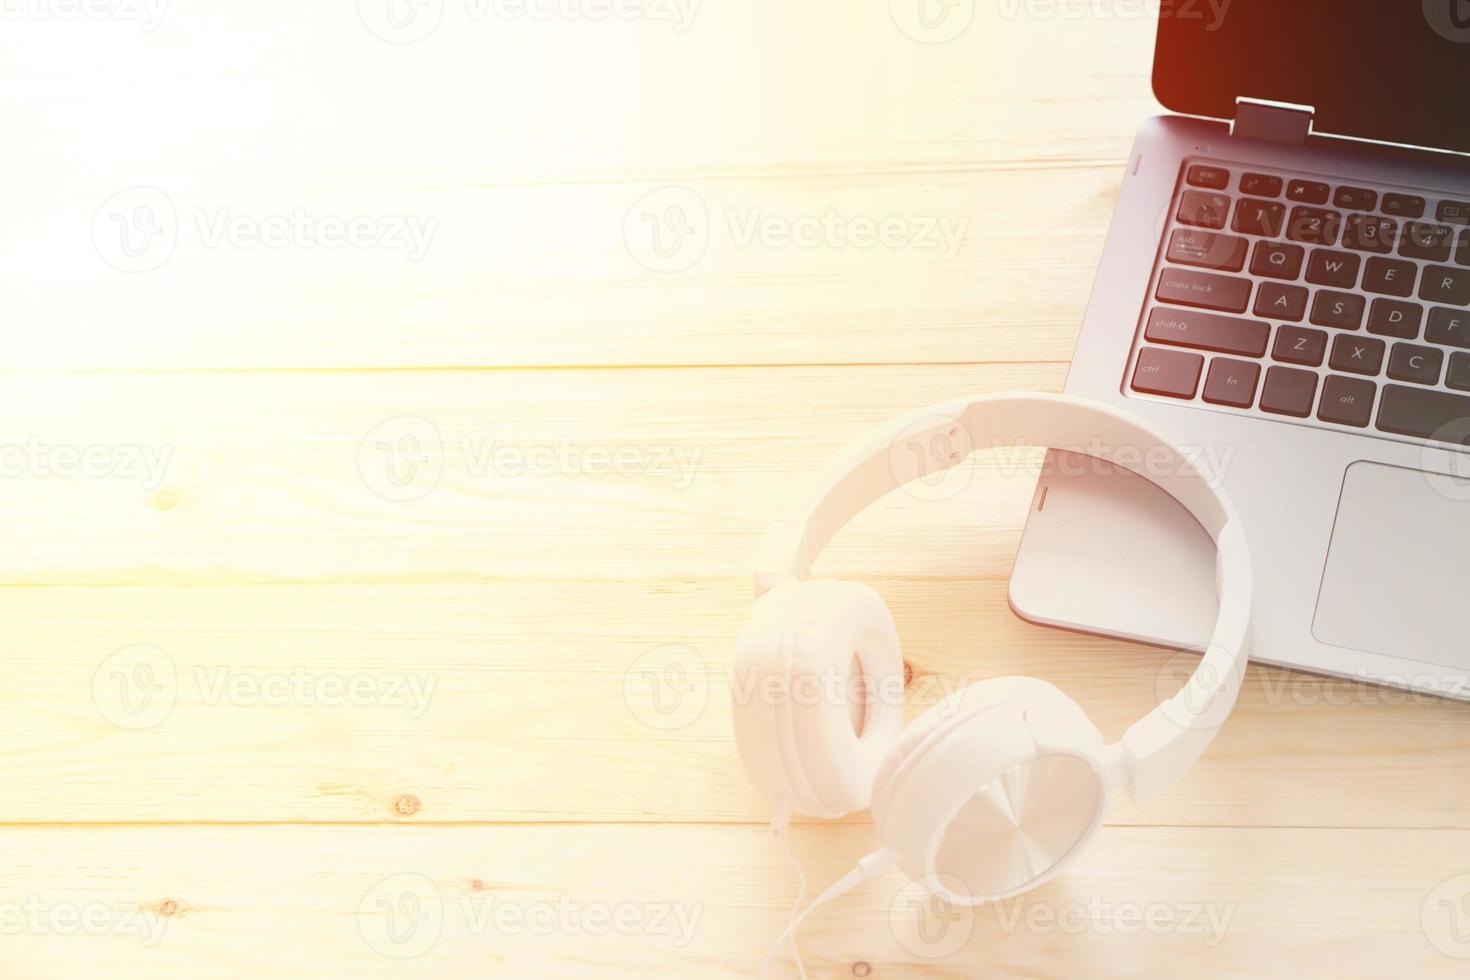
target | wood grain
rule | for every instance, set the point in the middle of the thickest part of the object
(679, 901)
(339, 578)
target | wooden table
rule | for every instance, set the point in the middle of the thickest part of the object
(371, 598)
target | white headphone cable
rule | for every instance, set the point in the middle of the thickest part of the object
(781, 825)
(869, 867)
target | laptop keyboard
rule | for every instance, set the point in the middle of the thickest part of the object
(1343, 305)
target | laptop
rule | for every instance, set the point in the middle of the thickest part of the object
(1285, 291)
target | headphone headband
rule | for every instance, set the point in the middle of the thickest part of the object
(1164, 744)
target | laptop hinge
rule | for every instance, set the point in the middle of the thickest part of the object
(1274, 122)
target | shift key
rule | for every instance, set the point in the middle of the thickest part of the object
(1207, 331)
(1205, 290)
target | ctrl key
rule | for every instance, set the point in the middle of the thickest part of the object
(1167, 372)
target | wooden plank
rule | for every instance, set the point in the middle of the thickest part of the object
(467, 475)
(695, 901)
(591, 701)
(535, 217)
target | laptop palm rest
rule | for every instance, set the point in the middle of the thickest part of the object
(1396, 564)
(1106, 551)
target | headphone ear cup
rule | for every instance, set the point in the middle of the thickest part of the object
(818, 694)
(993, 791)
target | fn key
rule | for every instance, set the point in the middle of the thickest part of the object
(1167, 372)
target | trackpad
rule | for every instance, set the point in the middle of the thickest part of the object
(1396, 564)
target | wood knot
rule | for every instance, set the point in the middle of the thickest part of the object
(862, 969)
(908, 676)
(477, 884)
(407, 805)
(167, 499)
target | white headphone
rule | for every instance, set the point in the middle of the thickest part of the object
(997, 788)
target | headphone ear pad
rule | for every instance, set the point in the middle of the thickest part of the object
(818, 694)
(993, 791)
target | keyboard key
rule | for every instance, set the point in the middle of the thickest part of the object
(1403, 205)
(1261, 185)
(1341, 310)
(1454, 212)
(1328, 268)
(1205, 290)
(1445, 284)
(1232, 382)
(1307, 192)
(1462, 252)
(1355, 199)
(1395, 277)
(1410, 362)
(1450, 328)
(1359, 355)
(1369, 233)
(1420, 412)
(1426, 240)
(1279, 301)
(1458, 375)
(1347, 401)
(1188, 246)
(1300, 345)
(1207, 331)
(1393, 318)
(1203, 210)
(1167, 372)
(1289, 391)
(1204, 175)
(1262, 218)
(1277, 260)
(1314, 226)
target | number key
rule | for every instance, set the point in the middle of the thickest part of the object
(1263, 218)
(1369, 233)
(1314, 226)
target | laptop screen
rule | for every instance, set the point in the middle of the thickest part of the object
(1391, 70)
